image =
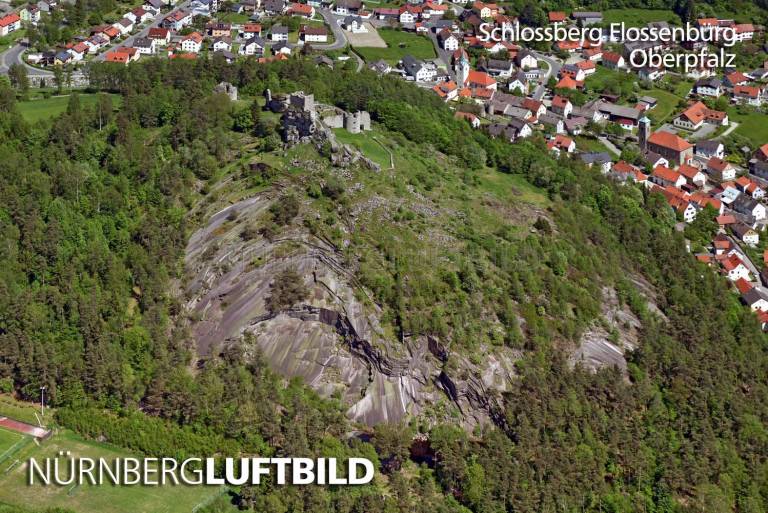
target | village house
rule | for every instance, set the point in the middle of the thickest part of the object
(745, 234)
(345, 7)
(561, 106)
(749, 207)
(697, 114)
(751, 95)
(473, 120)
(447, 90)
(418, 70)
(253, 46)
(693, 175)
(709, 87)
(9, 23)
(735, 78)
(144, 45)
(601, 159)
(709, 148)
(192, 43)
(584, 18)
(249, 30)
(177, 20)
(30, 13)
(161, 36)
(218, 29)
(222, 44)
(735, 268)
(720, 170)
(274, 7)
(278, 33)
(302, 10)
(309, 34)
(664, 176)
(447, 40)
(750, 187)
(124, 26)
(557, 17)
(354, 24)
(624, 172)
(755, 300)
(485, 11)
(526, 60)
(613, 60)
(561, 143)
(553, 122)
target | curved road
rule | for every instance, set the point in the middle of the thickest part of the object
(14, 55)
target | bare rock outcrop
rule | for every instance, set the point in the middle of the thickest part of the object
(332, 339)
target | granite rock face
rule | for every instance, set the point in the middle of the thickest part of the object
(332, 339)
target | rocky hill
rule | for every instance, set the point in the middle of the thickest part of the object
(342, 338)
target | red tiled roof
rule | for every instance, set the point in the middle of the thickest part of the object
(743, 285)
(669, 141)
(556, 16)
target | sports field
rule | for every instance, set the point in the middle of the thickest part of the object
(399, 44)
(90, 499)
(10, 442)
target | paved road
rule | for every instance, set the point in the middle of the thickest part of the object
(14, 55)
(608, 144)
(338, 33)
(554, 69)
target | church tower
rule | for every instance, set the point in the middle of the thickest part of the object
(462, 70)
(643, 132)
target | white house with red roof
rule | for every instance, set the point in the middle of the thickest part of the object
(9, 23)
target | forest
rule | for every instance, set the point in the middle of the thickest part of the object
(93, 224)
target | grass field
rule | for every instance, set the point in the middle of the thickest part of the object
(752, 126)
(20, 410)
(590, 144)
(10, 442)
(666, 106)
(366, 144)
(92, 499)
(639, 17)
(47, 108)
(399, 44)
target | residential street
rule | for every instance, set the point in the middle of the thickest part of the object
(14, 55)
(554, 69)
(144, 32)
(338, 33)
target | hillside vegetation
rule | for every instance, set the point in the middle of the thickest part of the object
(94, 224)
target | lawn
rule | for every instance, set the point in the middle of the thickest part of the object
(603, 77)
(752, 126)
(666, 106)
(233, 17)
(47, 108)
(93, 499)
(512, 188)
(590, 145)
(639, 17)
(366, 143)
(399, 44)
(10, 40)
